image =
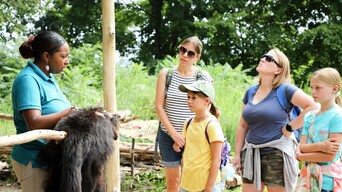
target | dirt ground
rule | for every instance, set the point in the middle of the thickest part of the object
(5, 187)
(140, 129)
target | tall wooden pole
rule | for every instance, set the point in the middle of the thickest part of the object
(108, 44)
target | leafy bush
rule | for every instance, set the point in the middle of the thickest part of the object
(10, 64)
(79, 88)
(149, 180)
(135, 90)
(6, 127)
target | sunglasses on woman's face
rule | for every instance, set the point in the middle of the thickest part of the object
(183, 50)
(269, 58)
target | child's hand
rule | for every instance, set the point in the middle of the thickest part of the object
(330, 146)
(176, 147)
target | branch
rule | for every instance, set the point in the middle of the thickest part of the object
(31, 136)
(6, 116)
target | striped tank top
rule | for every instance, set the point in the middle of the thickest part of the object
(176, 103)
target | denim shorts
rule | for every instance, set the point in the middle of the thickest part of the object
(170, 157)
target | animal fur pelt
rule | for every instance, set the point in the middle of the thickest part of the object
(76, 164)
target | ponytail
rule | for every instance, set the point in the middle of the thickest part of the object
(214, 110)
(25, 49)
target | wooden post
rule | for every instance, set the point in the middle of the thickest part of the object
(132, 157)
(108, 44)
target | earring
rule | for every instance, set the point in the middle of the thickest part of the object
(47, 67)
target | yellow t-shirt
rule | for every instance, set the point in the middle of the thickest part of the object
(197, 153)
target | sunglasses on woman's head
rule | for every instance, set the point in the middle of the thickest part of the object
(269, 58)
(183, 50)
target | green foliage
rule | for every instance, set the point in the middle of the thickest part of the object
(81, 82)
(230, 85)
(79, 21)
(16, 15)
(6, 127)
(135, 90)
(317, 48)
(233, 32)
(79, 88)
(10, 64)
(148, 180)
(89, 60)
(168, 62)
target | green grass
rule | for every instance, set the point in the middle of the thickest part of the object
(6, 126)
(151, 180)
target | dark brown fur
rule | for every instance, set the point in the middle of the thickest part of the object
(76, 163)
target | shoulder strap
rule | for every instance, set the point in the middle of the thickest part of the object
(199, 73)
(187, 125)
(251, 90)
(206, 132)
(170, 74)
(168, 78)
(281, 96)
(206, 127)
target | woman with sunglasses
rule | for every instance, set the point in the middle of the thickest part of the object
(265, 144)
(173, 109)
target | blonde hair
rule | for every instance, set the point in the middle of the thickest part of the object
(195, 41)
(284, 64)
(330, 76)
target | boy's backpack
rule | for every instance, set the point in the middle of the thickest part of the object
(169, 75)
(292, 110)
(225, 150)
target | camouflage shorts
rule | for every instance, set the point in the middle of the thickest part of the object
(272, 173)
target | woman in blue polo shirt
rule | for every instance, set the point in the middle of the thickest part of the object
(38, 102)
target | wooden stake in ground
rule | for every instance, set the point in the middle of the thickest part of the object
(108, 44)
